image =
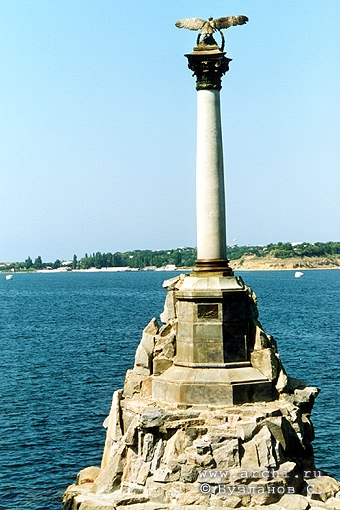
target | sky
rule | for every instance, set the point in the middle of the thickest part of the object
(98, 125)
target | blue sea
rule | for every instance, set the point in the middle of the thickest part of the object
(68, 339)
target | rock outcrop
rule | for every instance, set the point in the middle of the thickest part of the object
(179, 456)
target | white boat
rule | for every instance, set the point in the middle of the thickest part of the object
(298, 274)
(9, 277)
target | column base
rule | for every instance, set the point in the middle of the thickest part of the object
(204, 266)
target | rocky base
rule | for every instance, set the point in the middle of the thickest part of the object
(170, 457)
(198, 457)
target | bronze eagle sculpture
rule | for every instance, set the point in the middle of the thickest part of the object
(207, 28)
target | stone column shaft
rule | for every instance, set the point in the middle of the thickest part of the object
(209, 64)
(210, 199)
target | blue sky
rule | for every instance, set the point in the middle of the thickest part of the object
(98, 121)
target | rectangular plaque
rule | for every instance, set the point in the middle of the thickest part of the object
(207, 311)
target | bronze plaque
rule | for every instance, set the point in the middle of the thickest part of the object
(207, 311)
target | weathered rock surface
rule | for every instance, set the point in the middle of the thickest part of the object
(195, 457)
(168, 455)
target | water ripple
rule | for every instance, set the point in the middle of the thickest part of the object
(68, 339)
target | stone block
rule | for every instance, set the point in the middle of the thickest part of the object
(205, 461)
(169, 348)
(227, 455)
(173, 283)
(173, 465)
(192, 498)
(189, 473)
(184, 331)
(151, 417)
(143, 473)
(130, 437)
(294, 502)
(109, 478)
(282, 382)
(152, 328)
(93, 503)
(185, 352)
(276, 428)
(146, 390)
(218, 502)
(207, 331)
(158, 494)
(292, 475)
(185, 311)
(171, 447)
(158, 454)
(182, 459)
(266, 362)
(252, 392)
(129, 499)
(131, 488)
(322, 488)
(132, 384)
(333, 502)
(261, 339)
(208, 351)
(259, 451)
(246, 429)
(113, 425)
(167, 329)
(128, 416)
(87, 475)
(161, 364)
(303, 398)
(131, 459)
(148, 446)
(164, 474)
(165, 346)
(264, 446)
(139, 470)
(143, 359)
(202, 447)
(169, 311)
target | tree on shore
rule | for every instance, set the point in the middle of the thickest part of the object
(28, 263)
(38, 264)
(182, 257)
(56, 264)
(75, 262)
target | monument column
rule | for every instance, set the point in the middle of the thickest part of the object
(210, 202)
(215, 330)
(208, 64)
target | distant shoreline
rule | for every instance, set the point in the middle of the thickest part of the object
(234, 267)
(253, 263)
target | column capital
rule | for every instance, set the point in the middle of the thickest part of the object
(208, 64)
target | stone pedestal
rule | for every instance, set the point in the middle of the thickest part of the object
(214, 340)
(227, 386)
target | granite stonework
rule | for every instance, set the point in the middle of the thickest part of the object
(215, 337)
(232, 449)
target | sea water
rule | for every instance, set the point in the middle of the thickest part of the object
(67, 340)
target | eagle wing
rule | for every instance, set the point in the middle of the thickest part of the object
(229, 21)
(191, 23)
